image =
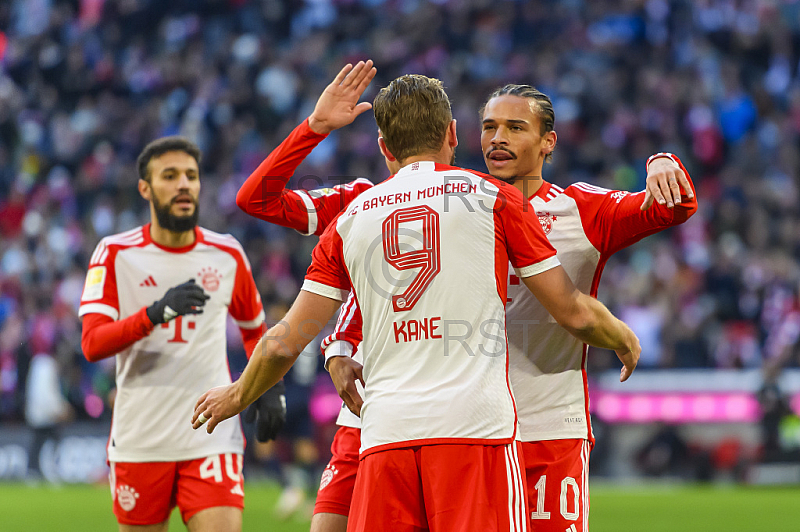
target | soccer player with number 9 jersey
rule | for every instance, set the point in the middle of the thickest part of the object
(426, 255)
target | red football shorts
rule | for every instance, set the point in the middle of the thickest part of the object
(441, 488)
(146, 492)
(558, 484)
(339, 478)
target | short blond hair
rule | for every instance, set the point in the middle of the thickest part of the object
(413, 113)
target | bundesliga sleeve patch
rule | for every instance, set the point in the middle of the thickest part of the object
(95, 281)
(321, 192)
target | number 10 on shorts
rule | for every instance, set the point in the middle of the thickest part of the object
(568, 482)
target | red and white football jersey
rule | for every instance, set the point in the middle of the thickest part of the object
(160, 377)
(586, 224)
(265, 196)
(426, 254)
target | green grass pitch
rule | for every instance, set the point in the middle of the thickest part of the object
(614, 509)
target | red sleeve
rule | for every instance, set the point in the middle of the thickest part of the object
(519, 229)
(329, 202)
(327, 276)
(348, 325)
(612, 219)
(245, 307)
(103, 337)
(100, 288)
(250, 338)
(264, 194)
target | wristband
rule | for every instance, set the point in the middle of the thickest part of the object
(338, 348)
(658, 155)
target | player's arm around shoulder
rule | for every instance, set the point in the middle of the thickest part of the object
(585, 317)
(669, 185)
(615, 219)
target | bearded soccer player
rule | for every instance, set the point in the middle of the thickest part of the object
(170, 350)
(264, 195)
(454, 468)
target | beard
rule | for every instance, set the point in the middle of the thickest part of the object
(170, 222)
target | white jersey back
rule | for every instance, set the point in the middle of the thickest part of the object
(426, 254)
(160, 377)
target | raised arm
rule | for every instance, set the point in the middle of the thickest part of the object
(264, 194)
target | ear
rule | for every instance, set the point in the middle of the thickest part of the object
(385, 151)
(550, 139)
(144, 189)
(451, 130)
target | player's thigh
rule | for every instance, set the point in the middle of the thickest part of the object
(474, 487)
(558, 484)
(326, 522)
(143, 493)
(217, 519)
(339, 477)
(388, 494)
(211, 482)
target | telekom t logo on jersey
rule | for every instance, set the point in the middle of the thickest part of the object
(178, 324)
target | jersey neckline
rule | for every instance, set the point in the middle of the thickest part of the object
(542, 192)
(198, 237)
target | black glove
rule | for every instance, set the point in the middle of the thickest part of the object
(269, 412)
(186, 298)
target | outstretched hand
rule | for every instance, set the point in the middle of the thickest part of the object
(665, 180)
(338, 105)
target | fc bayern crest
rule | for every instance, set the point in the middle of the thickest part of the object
(327, 476)
(210, 279)
(546, 219)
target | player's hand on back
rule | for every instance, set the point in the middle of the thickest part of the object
(269, 413)
(629, 356)
(186, 298)
(665, 181)
(344, 373)
(338, 105)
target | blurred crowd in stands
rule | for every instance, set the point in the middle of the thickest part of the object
(85, 84)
